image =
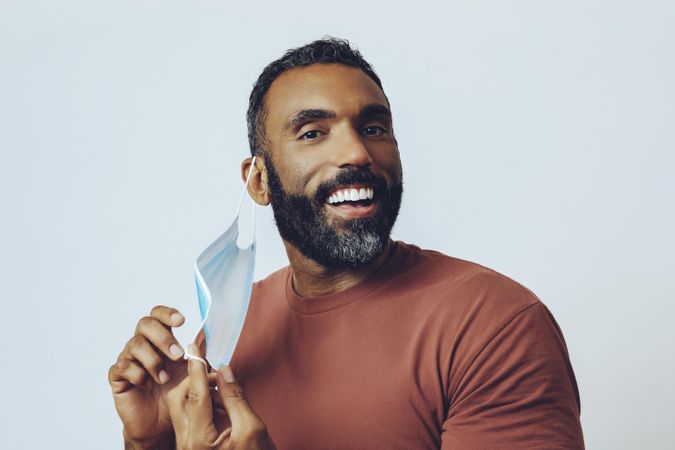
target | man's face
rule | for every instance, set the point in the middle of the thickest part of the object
(334, 171)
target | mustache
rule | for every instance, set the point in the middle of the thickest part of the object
(347, 177)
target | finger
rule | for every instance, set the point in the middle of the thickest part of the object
(176, 401)
(125, 373)
(235, 402)
(160, 336)
(216, 399)
(200, 341)
(170, 317)
(199, 409)
(139, 349)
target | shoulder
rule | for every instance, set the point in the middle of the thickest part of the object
(465, 285)
(274, 282)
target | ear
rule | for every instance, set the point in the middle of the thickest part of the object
(257, 185)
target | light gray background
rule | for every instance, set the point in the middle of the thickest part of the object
(536, 138)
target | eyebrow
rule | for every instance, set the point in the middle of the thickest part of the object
(310, 115)
(374, 109)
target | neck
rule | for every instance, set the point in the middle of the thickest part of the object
(310, 279)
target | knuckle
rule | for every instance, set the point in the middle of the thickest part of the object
(136, 340)
(122, 365)
(159, 309)
(168, 340)
(193, 397)
(144, 323)
(237, 393)
(154, 362)
(136, 377)
(113, 370)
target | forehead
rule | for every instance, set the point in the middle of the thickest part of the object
(335, 87)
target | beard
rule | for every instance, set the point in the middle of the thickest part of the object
(302, 220)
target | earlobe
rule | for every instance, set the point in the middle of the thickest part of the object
(257, 185)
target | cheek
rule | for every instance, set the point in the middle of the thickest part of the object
(396, 164)
(388, 163)
(298, 177)
(310, 168)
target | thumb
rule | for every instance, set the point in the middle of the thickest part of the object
(236, 405)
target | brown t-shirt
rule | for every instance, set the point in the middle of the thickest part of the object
(429, 352)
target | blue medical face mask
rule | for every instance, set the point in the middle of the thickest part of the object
(224, 276)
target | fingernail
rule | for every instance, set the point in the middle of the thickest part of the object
(177, 318)
(176, 351)
(163, 376)
(226, 373)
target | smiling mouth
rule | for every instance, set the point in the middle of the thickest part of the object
(353, 201)
(352, 195)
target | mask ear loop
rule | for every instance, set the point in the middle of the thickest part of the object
(243, 192)
(241, 198)
(189, 355)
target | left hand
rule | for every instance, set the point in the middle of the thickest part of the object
(192, 413)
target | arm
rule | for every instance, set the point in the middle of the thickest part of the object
(518, 392)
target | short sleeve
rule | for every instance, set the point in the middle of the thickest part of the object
(519, 392)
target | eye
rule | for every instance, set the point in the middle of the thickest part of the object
(374, 130)
(309, 135)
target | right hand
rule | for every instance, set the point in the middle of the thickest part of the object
(150, 365)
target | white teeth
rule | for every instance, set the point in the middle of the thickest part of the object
(351, 195)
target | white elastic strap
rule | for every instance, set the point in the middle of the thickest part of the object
(248, 177)
(189, 355)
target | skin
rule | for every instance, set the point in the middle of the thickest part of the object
(305, 156)
(165, 402)
(180, 409)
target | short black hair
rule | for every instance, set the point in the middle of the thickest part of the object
(328, 50)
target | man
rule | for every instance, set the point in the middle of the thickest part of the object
(361, 342)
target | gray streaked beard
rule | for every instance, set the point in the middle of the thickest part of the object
(302, 222)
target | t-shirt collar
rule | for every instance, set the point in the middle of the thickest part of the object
(314, 305)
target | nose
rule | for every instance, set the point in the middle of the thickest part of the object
(350, 150)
